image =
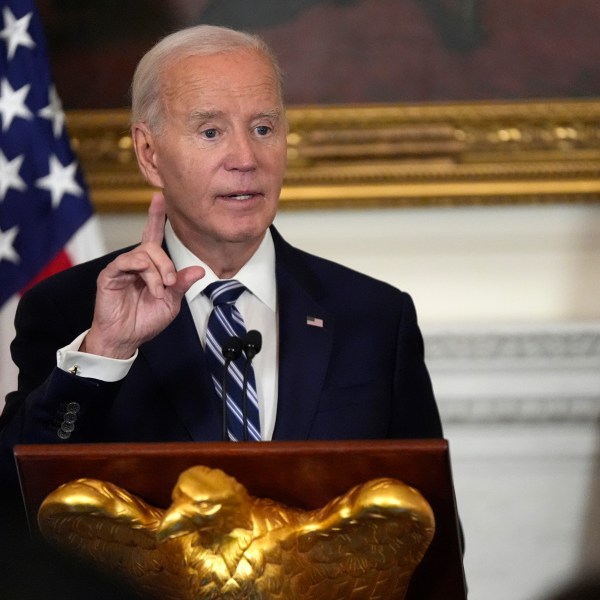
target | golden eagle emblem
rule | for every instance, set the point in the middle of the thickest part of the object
(216, 541)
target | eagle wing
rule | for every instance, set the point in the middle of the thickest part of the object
(114, 530)
(364, 545)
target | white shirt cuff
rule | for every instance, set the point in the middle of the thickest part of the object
(90, 365)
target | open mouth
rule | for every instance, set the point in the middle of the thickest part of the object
(240, 196)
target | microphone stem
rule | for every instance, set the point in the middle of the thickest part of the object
(224, 435)
(245, 399)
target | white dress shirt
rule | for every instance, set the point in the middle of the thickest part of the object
(257, 305)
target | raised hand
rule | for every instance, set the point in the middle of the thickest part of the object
(139, 293)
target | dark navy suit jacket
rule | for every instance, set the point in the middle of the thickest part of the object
(360, 376)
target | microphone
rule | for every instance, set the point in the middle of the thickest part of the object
(232, 348)
(251, 343)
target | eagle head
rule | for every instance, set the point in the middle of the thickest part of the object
(205, 500)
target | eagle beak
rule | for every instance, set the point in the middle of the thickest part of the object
(175, 523)
(185, 518)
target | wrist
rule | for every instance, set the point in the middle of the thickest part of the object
(99, 346)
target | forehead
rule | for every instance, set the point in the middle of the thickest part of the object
(219, 78)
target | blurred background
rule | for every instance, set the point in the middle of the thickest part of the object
(508, 293)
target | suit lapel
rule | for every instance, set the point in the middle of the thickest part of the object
(305, 341)
(176, 358)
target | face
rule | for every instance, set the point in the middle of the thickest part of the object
(221, 155)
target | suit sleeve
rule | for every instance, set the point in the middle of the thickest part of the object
(48, 399)
(415, 412)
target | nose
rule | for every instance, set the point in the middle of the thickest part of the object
(241, 155)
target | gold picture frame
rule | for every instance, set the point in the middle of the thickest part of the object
(349, 156)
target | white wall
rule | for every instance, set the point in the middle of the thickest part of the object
(508, 299)
(469, 264)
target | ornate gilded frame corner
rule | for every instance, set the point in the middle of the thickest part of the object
(392, 155)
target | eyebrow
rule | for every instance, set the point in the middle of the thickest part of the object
(204, 115)
(270, 114)
(208, 115)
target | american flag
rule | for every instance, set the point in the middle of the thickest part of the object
(314, 321)
(46, 218)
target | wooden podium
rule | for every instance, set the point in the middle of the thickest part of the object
(302, 474)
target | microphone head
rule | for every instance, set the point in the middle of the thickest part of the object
(252, 343)
(232, 348)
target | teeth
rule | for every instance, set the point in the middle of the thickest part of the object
(241, 196)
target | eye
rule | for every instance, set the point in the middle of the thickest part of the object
(210, 134)
(263, 130)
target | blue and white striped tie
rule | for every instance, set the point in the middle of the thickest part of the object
(225, 321)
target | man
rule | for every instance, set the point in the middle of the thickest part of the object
(342, 355)
(122, 348)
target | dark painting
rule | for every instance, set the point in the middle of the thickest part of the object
(346, 51)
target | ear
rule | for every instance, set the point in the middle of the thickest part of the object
(145, 151)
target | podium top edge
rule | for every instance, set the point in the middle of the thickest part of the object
(121, 449)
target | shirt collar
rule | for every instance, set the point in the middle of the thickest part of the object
(258, 274)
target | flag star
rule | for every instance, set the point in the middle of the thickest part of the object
(54, 112)
(9, 174)
(7, 240)
(15, 32)
(60, 181)
(12, 103)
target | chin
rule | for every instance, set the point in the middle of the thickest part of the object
(247, 230)
(245, 237)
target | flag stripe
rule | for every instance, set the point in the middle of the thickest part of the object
(60, 262)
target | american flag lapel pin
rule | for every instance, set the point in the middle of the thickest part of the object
(314, 321)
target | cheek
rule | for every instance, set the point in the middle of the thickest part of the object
(278, 159)
(182, 172)
(283, 155)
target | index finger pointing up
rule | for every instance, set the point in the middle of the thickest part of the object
(154, 229)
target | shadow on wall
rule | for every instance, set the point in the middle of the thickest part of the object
(590, 545)
(586, 585)
(583, 583)
(584, 589)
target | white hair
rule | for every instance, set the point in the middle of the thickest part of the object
(200, 40)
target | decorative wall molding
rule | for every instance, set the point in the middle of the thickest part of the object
(520, 411)
(562, 343)
(544, 375)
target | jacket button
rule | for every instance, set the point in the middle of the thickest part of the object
(63, 435)
(69, 417)
(67, 427)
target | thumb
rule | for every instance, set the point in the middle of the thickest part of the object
(186, 279)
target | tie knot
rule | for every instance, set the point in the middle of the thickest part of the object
(224, 292)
